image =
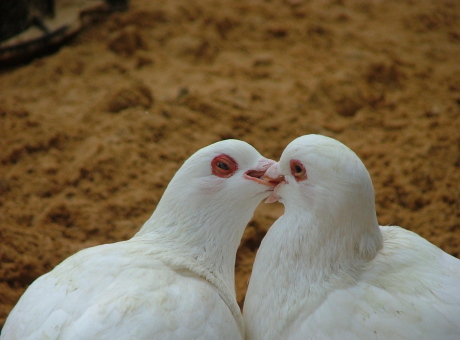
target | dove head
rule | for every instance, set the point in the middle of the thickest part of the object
(221, 175)
(327, 185)
(321, 170)
(208, 203)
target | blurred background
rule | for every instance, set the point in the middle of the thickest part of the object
(92, 134)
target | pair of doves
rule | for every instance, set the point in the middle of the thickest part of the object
(325, 269)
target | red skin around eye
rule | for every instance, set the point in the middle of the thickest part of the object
(229, 161)
(302, 176)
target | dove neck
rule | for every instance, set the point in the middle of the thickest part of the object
(327, 245)
(303, 257)
(201, 231)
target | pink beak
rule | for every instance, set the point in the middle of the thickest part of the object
(273, 176)
(258, 174)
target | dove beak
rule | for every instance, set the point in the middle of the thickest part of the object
(258, 174)
(273, 176)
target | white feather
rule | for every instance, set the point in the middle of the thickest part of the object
(173, 280)
(326, 270)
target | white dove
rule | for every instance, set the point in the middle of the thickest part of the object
(174, 279)
(327, 270)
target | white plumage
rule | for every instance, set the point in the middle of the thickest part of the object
(327, 270)
(174, 279)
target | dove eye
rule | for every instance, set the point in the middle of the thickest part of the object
(224, 166)
(298, 170)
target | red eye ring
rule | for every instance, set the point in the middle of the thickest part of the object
(224, 166)
(298, 170)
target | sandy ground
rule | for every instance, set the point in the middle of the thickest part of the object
(91, 135)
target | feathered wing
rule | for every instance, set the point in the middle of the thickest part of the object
(411, 290)
(112, 291)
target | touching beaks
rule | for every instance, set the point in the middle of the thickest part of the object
(258, 174)
(273, 176)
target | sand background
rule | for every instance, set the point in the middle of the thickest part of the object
(91, 135)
